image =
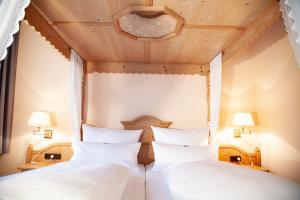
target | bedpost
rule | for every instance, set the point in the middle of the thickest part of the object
(83, 103)
(29, 153)
(208, 103)
(258, 156)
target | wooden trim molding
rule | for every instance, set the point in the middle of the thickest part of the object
(262, 22)
(148, 68)
(36, 19)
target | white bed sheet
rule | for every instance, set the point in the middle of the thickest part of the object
(135, 189)
(61, 182)
(156, 188)
(201, 179)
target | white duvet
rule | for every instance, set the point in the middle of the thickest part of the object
(211, 180)
(71, 180)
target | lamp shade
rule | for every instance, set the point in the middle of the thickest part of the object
(39, 119)
(242, 119)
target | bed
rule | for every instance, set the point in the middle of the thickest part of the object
(135, 189)
(103, 166)
(221, 180)
(179, 171)
(156, 187)
(200, 176)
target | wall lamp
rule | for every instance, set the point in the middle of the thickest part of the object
(243, 120)
(41, 122)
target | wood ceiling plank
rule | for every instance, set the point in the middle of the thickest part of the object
(192, 46)
(41, 25)
(148, 2)
(212, 27)
(270, 15)
(86, 23)
(101, 43)
(217, 12)
(150, 68)
(146, 52)
(83, 11)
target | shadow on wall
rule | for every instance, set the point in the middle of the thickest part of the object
(244, 74)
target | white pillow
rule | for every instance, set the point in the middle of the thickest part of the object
(181, 136)
(125, 154)
(170, 154)
(106, 135)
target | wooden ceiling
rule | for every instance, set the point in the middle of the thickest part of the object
(210, 27)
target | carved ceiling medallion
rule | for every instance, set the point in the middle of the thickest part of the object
(148, 23)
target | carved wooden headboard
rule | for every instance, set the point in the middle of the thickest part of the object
(145, 122)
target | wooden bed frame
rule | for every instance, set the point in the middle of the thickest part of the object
(146, 154)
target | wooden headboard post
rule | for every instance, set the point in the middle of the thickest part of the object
(145, 122)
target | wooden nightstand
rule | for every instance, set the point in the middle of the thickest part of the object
(64, 149)
(234, 154)
(30, 166)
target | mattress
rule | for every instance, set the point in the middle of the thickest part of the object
(156, 189)
(135, 189)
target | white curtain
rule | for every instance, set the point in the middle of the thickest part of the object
(291, 14)
(215, 95)
(11, 12)
(76, 94)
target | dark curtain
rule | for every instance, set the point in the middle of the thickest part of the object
(7, 90)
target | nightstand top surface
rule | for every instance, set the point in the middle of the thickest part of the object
(29, 166)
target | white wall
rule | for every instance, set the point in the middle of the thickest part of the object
(42, 84)
(265, 79)
(112, 98)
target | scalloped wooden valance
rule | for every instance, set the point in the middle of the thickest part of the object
(148, 68)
